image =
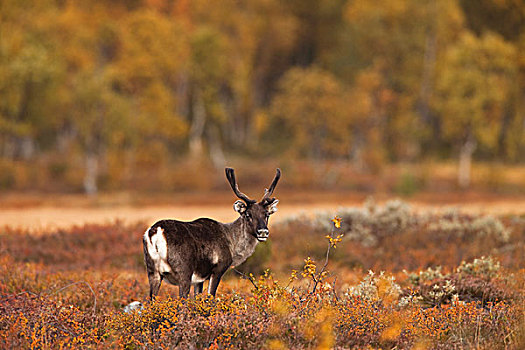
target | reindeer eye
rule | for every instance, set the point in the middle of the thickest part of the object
(248, 215)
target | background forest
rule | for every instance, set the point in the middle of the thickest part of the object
(135, 94)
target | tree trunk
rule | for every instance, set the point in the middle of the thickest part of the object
(356, 152)
(90, 178)
(197, 127)
(27, 147)
(183, 96)
(465, 162)
(65, 138)
(215, 148)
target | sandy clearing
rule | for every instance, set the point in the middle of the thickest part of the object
(48, 218)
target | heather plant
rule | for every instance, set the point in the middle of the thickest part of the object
(34, 321)
(476, 281)
(109, 246)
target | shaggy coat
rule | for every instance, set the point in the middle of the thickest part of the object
(189, 253)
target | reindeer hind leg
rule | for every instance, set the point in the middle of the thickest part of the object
(154, 277)
(154, 284)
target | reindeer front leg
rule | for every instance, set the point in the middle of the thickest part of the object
(197, 288)
(184, 288)
(216, 276)
(214, 283)
(184, 281)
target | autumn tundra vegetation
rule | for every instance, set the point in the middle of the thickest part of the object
(376, 276)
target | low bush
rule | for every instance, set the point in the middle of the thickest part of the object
(393, 237)
(90, 246)
(271, 315)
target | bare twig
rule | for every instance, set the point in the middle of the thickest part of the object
(320, 274)
(334, 290)
(47, 292)
(246, 277)
(80, 282)
(17, 294)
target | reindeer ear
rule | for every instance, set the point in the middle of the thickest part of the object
(239, 206)
(272, 207)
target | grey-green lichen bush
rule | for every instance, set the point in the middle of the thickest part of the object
(372, 222)
(375, 287)
(484, 267)
(453, 223)
(430, 274)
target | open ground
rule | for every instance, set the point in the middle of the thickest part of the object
(40, 213)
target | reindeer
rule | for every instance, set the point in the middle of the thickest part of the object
(189, 253)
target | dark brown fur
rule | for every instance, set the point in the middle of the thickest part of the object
(207, 248)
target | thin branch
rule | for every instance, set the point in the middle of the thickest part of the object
(17, 294)
(319, 275)
(80, 282)
(246, 277)
(57, 291)
(334, 290)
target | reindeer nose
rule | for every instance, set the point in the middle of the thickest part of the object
(263, 232)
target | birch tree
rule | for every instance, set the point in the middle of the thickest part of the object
(474, 86)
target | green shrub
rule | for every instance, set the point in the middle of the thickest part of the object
(407, 185)
(257, 263)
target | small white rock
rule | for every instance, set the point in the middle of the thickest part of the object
(134, 305)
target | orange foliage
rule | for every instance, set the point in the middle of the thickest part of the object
(54, 301)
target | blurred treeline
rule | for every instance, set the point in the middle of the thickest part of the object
(122, 93)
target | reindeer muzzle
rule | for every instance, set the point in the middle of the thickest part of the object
(262, 234)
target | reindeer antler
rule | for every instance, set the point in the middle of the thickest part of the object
(230, 175)
(268, 191)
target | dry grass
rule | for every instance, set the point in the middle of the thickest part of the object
(41, 213)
